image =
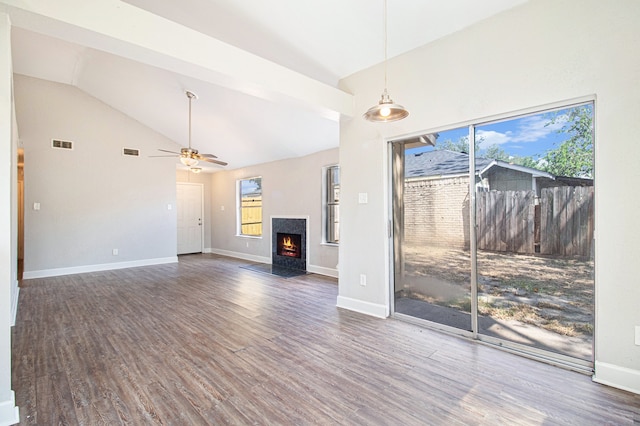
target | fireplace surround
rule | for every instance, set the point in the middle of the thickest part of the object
(289, 242)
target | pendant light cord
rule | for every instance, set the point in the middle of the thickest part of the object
(385, 45)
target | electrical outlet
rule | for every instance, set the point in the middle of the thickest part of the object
(221, 208)
(638, 335)
(363, 280)
(114, 252)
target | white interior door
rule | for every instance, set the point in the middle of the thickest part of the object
(190, 213)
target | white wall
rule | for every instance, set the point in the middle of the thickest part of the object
(8, 229)
(92, 199)
(540, 53)
(290, 187)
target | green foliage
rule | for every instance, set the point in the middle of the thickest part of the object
(574, 156)
(461, 145)
(493, 152)
(258, 182)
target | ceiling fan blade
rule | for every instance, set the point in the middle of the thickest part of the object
(208, 155)
(172, 152)
(154, 156)
(210, 160)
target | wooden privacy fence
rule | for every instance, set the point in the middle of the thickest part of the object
(506, 221)
(566, 220)
(562, 224)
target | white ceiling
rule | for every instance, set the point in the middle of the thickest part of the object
(249, 111)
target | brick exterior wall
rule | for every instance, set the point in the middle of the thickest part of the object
(437, 212)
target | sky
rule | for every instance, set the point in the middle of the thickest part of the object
(527, 136)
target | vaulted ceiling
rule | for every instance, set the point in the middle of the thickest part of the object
(265, 72)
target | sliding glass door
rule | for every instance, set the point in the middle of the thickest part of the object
(495, 239)
(432, 268)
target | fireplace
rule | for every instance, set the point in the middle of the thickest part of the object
(289, 243)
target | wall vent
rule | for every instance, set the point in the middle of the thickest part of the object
(57, 143)
(131, 152)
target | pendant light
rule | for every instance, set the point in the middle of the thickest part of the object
(386, 110)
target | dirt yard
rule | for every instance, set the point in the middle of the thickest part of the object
(551, 293)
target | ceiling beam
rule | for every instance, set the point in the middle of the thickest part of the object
(122, 29)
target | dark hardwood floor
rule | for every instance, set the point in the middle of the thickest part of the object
(206, 342)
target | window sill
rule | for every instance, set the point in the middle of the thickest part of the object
(253, 237)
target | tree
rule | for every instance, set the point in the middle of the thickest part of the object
(493, 152)
(461, 145)
(574, 156)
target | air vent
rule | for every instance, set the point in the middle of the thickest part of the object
(57, 143)
(131, 152)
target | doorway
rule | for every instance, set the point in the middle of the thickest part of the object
(20, 213)
(190, 213)
(494, 239)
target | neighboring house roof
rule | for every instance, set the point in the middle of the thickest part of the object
(440, 163)
(533, 172)
(447, 163)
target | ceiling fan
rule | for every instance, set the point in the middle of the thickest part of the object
(190, 156)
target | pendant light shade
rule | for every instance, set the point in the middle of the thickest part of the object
(386, 110)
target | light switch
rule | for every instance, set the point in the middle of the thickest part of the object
(363, 198)
(169, 207)
(36, 206)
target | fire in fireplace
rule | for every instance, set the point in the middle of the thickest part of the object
(289, 245)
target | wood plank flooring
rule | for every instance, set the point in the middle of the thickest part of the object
(206, 342)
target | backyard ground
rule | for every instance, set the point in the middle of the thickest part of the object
(553, 294)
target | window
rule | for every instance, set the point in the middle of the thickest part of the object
(250, 206)
(331, 202)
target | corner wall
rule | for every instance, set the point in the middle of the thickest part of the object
(537, 54)
(92, 199)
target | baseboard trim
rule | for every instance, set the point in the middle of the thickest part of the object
(97, 268)
(617, 377)
(363, 307)
(321, 270)
(9, 412)
(243, 256)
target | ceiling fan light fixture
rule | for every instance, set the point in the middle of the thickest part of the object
(188, 161)
(190, 157)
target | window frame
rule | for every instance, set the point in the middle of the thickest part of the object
(328, 203)
(240, 207)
